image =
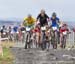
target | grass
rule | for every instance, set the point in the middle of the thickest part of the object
(7, 57)
(7, 44)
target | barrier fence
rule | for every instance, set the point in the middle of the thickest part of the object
(71, 39)
(21, 38)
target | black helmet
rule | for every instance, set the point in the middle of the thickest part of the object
(3, 26)
(54, 14)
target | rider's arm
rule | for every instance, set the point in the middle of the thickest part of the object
(47, 16)
(33, 20)
(48, 19)
(25, 21)
(58, 20)
(38, 17)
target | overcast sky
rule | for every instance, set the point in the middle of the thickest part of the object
(11, 9)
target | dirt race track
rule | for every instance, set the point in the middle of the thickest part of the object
(37, 56)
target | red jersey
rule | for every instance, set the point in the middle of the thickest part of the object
(63, 30)
(37, 29)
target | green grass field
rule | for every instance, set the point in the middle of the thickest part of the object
(7, 57)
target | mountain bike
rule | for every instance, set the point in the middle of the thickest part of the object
(54, 38)
(43, 37)
(28, 38)
(63, 39)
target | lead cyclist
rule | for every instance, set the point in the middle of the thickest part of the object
(43, 21)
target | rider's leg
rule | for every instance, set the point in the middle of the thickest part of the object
(55, 40)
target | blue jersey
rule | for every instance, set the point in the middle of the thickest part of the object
(15, 29)
(55, 21)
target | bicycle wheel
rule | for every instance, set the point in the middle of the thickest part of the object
(27, 44)
(43, 41)
(55, 40)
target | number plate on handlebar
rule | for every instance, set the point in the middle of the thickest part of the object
(23, 31)
(54, 28)
(43, 28)
(64, 33)
(17, 32)
(28, 29)
(4, 33)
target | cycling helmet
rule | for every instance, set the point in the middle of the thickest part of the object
(54, 14)
(42, 11)
(29, 15)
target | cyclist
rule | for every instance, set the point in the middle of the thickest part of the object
(64, 29)
(4, 31)
(43, 21)
(38, 35)
(55, 27)
(29, 22)
(63, 35)
(15, 29)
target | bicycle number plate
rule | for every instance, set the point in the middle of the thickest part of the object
(17, 32)
(64, 33)
(4, 33)
(28, 29)
(23, 31)
(43, 28)
(54, 28)
(12, 32)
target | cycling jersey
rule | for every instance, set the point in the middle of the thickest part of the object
(3, 30)
(55, 21)
(37, 30)
(29, 21)
(22, 28)
(15, 28)
(63, 30)
(43, 20)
